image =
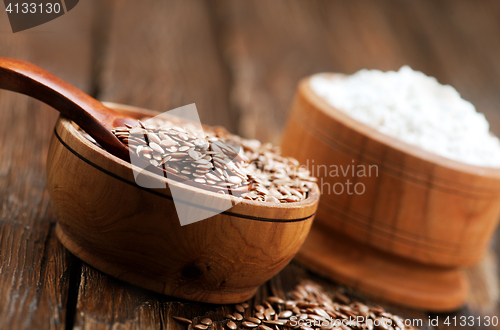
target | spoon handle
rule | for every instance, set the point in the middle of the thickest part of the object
(90, 114)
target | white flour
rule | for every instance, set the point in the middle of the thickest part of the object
(416, 109)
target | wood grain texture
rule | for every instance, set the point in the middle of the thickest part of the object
(162, 56)
(413, 203)
(123, 306)
(383, 276)
(334, 36)
(269, 46)
(134, 234)
(97, 120)
(464, 39)
(34, 267)
(249, 57)
(119, 306)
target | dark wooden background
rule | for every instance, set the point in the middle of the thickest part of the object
(239, 61)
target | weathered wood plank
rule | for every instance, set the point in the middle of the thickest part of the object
(465, 44)
(34, 267)
(107, 303)
(269, 46)
(163, 55)
(305, 38)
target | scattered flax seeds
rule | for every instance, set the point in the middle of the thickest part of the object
(310, 308)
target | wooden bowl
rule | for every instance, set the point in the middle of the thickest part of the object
(434, 213)
(134, 234)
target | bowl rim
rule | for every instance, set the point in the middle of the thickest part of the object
(308, 204)
(415, 151)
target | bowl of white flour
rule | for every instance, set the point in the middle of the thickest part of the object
(409, 173)
(416, 109)
(403, 163)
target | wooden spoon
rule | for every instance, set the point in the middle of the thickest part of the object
(91, 115)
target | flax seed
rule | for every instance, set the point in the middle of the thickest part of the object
(171, 149)
(182, 320)
(247, 324)
(202, 162)
(285, 314)
(276, 322)
(152, 137)
(137, 131)
(260, 316)
(275, 300)
(268, 313)
(212, 177)
(271, 199)
(253, 320)
(193, 154)
(156, 147)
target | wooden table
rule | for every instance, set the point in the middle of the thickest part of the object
(239, 61)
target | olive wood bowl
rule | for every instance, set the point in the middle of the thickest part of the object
(133, 233)
(419, 220)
